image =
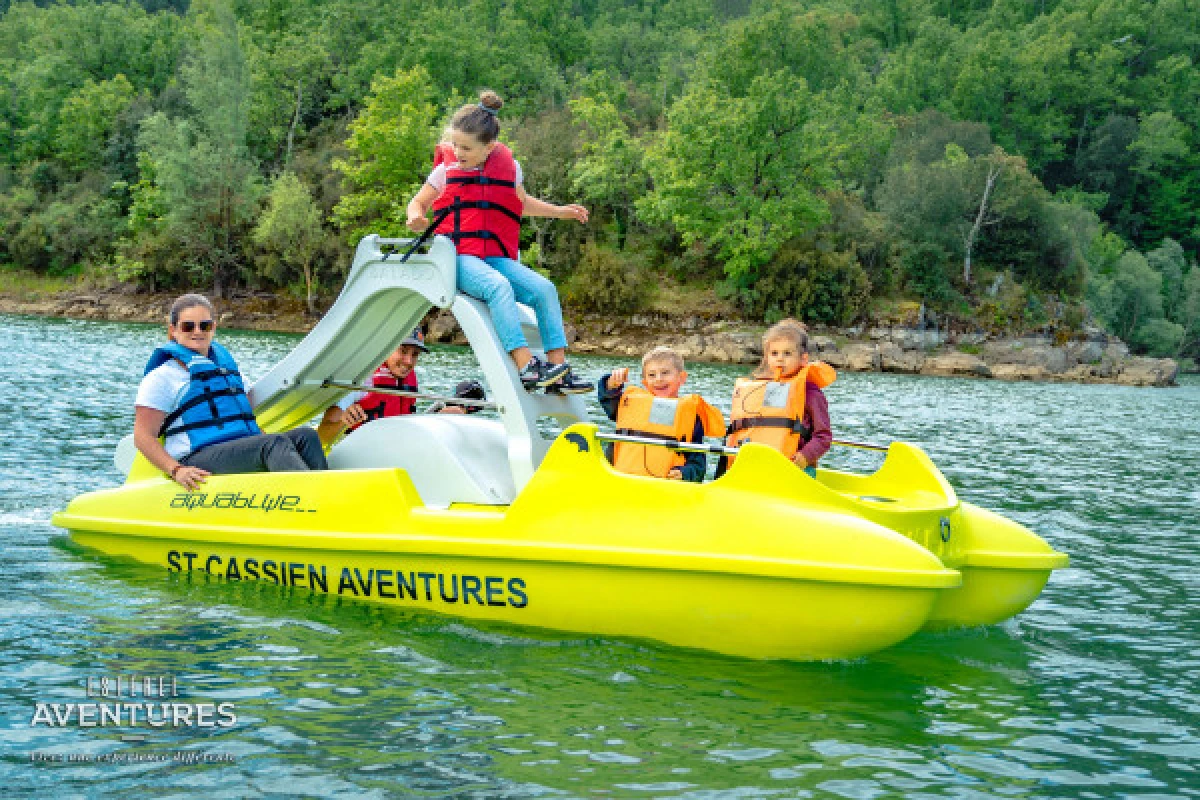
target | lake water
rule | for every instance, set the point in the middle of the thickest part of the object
(1094, 692)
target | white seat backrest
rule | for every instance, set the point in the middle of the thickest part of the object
(450, 458)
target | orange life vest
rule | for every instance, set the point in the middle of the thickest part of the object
(671, 419)
(772, 412)
(482, 211)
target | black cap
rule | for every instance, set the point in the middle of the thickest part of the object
(470, 390)
(416, 339)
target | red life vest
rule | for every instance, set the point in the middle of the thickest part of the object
(484, 211)
(443, 154)
(378, 405)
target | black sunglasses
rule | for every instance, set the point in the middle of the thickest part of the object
(187, 326)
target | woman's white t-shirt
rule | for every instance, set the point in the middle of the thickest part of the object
(163, 389)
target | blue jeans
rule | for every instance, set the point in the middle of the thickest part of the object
(502, 283)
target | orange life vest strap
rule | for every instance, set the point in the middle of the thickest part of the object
(746, 423)
(658, 437)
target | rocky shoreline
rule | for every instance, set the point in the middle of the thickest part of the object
(1095, 357)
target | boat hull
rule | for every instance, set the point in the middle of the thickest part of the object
(583, 549)
(747, 616)
(1004, 565)
(986, 597)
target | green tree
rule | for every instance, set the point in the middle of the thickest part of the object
(8, 120)
(390, 152)
(1129, 297)
(517, 61)
(1166, 169)
(812, 44)
(609, 169)
(1170, 261)
(289, 233)
(87, 118)
(810, 280)
(1189, 312)
(146, 254)
(951, 202)
(927, 268)
(288, 76)
(1158, 337)
(742, 175)
(1104, 163)
(608, 282)
(1064, 230)
(545, 145)
(207, 183)
(50, 53)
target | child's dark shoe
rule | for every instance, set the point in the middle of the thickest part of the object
(537, 373)
(571, 384)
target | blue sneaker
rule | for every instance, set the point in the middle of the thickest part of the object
(538, 374)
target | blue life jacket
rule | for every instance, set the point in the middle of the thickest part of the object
(215, 407)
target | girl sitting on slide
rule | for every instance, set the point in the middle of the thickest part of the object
(478, 199)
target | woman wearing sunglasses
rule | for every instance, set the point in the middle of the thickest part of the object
(192, 418)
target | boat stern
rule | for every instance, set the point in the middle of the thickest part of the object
(1004, 566)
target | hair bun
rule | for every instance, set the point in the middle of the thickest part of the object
(490, 100)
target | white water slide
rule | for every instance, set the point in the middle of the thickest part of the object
(451, 458)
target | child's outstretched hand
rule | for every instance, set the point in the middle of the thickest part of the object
(574, 211)
(799, 460)
(617, 379)
(417, 223)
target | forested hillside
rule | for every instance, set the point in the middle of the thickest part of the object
(1010, 165)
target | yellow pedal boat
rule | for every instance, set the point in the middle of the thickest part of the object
(507, 520)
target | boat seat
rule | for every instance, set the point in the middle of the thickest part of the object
(451, 458)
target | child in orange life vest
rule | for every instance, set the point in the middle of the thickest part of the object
(656, 410)
(782, 405)
(478, 197)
